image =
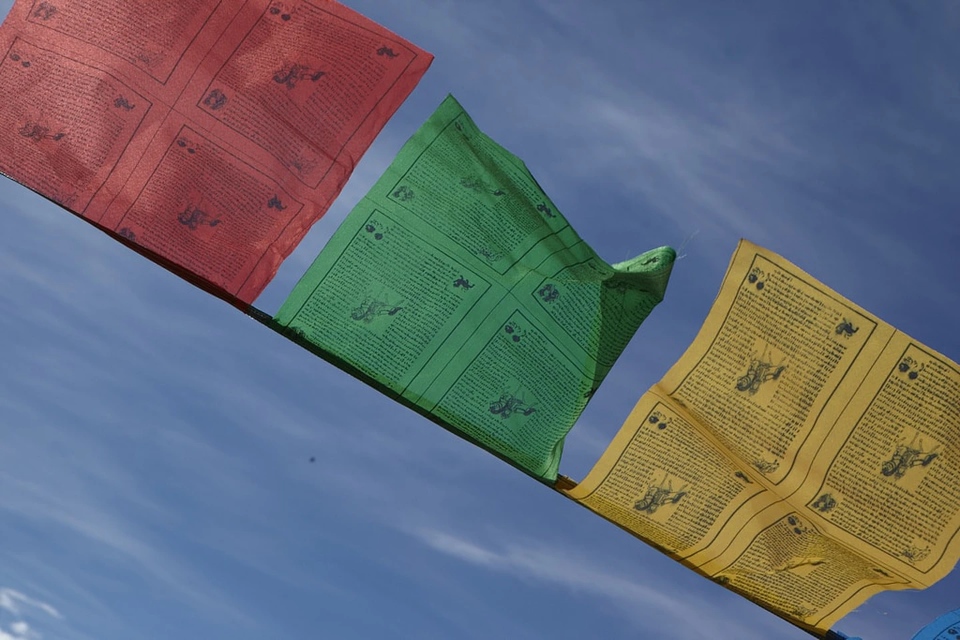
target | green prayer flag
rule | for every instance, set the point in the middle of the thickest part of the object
(458, 288)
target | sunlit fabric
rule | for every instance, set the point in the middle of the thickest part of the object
(800, 453)
(458, 287)
(207, 135)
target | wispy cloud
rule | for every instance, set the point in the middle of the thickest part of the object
(16, 602)
(657, 611)
(23, 606)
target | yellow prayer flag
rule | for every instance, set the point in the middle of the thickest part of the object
(802, 452)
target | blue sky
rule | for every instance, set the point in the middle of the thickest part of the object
(154, 461)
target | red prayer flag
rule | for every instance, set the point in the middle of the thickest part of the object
(208, 135)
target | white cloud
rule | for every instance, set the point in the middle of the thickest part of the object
(22, 631)
(21, 605)
(652, 609)
(14, 602)
(558, 567)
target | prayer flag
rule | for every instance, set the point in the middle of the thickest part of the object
(946, 627)
(457, 287)
(802, 452)
(207, 135)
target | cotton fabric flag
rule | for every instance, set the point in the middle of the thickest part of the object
(457, 287)
(802, 452)
(207, 135)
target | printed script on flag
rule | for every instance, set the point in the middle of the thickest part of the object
(207, 134)
(802, 452)
(457, 287)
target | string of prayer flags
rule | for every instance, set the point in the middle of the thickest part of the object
(802, 452)
(457, 287)
(209, 136)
